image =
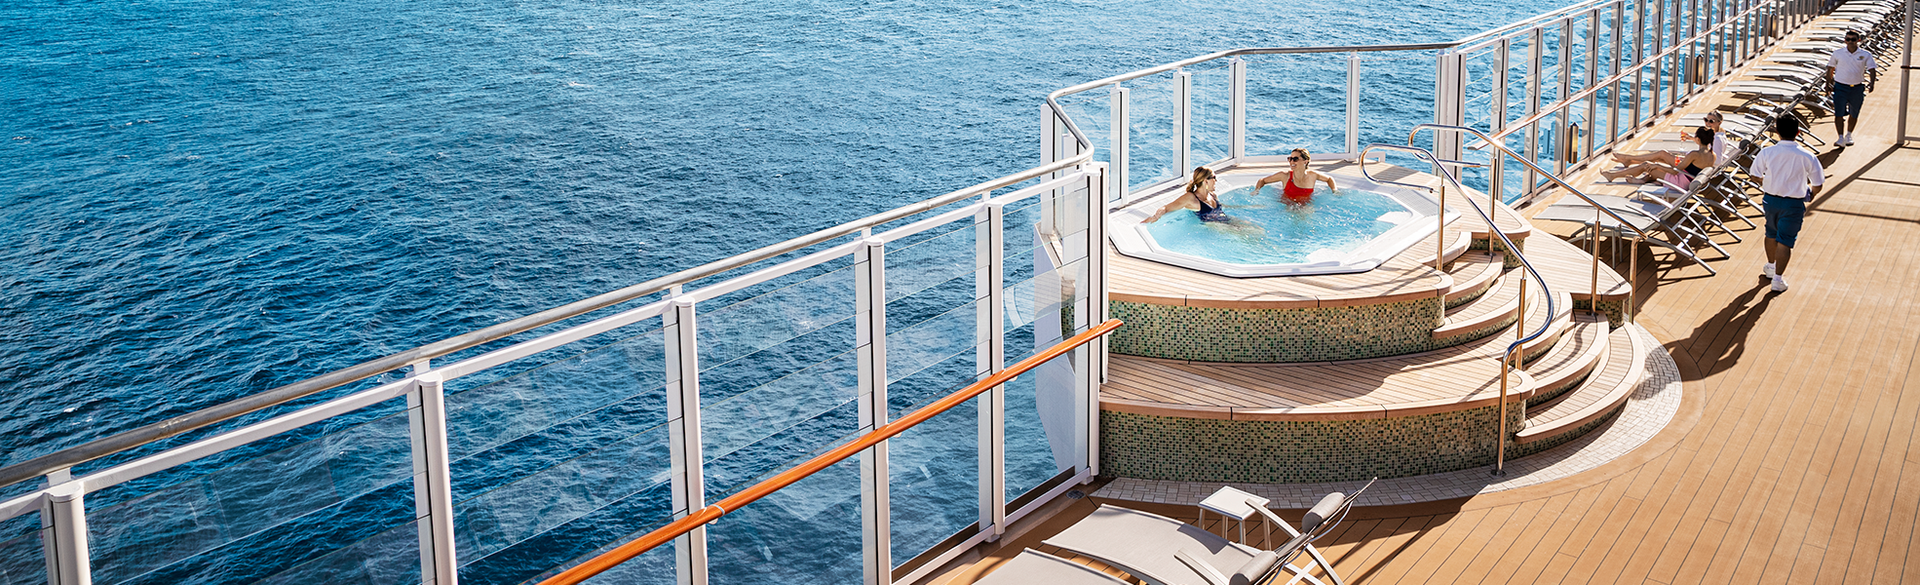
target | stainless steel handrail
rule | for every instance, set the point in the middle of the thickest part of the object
(1507, 360)
(67, 458)
(1053, 102)
(1594, 293)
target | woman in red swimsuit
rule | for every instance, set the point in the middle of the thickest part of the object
(1297, 181)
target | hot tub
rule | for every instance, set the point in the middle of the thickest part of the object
(1352, 229)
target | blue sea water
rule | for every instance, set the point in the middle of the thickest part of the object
(203, 200)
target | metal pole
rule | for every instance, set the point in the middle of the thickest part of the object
(683, 436)
(1119, 132)
(1633, 279)
(1593, 75)
(432, 483)
(1440, 233)
(1619, 46)
(990, 355)
(1536, 70)
(870, 340)
(1500, 445)
(1639, 58)
(1497, 180)
(1906, 67)
(1565, 57)
(66, 505)
(1183, 125)
(1236, 108)
(1353, 103)
(1097, 313)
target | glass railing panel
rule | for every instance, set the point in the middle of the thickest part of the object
(805, 533)
(932, 357)
(502, 430)
(1211, 135)
(948, 253)
(386, 558)
(23, 561)
(1296, 101)
(655, 567)
(1150, 146)
(1387, 108)
(934, 478)
(1040, 422)
(773, 323)
(262, 515)
(512, 532)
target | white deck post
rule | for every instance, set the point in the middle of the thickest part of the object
(432, 482)
(1449, 105)
(1536, 69)
(1906, 67)
(1092, 310)
(1593, 76)
(1118, 133)
(990, 358)
(1353, 103)
(1236, 107)
(870, 326)
(1497, 120)
(683, 431)
(66, 505)
(1183, 124)
(1562, 147)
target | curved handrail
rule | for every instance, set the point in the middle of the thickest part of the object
(131, 439)
(1536, 168)
(1507, 358)
(735, 502)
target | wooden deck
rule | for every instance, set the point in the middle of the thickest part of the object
(1794, 456)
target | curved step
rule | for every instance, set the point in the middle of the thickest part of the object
(1562, 320)
(1601, 395)
(1496, 306)
(1473, 275)
(1581, 348)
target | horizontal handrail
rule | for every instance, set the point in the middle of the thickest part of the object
(135, 438)
(1598, 85)
(711, 513)
(1053, 102)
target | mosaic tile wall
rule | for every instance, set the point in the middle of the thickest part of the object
(1277, 335)
(1185, 449)
(1518, 450)
(1496, 245)
(1616, 311)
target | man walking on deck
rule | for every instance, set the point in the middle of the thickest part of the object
(1785, 170)
(1852, 74)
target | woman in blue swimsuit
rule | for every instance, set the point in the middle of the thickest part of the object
(1198, 197)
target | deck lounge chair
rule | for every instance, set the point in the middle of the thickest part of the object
(1670, 235)
(1032, 567)
(1164, 551)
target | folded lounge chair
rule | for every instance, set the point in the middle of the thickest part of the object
(1163, 551)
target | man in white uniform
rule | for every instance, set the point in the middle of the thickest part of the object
(1785, 170)
(1853, 74)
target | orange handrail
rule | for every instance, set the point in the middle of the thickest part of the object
(701, 517)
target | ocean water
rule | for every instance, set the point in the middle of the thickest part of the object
(203, 200)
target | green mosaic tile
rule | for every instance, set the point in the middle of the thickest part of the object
(1183, 449)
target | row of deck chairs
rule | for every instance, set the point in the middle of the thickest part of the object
(1682, 220)
(1162, 551)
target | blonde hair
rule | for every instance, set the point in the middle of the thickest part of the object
(1200, 175)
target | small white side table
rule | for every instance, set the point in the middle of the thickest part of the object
(1238, 505)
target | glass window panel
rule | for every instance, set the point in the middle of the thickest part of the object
(1040, 421)
(22, 559)
(806, 533)
(389, 557)
(935, 480)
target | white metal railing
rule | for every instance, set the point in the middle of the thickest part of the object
(1600, 69)
(1057, 209)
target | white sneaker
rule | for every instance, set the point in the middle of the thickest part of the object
(1779, 283)
(1846, 139)
(1766, 270)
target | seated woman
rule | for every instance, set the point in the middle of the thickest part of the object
(1198, 197)
(1680, 173)
(1297, 181)
(1712, 122)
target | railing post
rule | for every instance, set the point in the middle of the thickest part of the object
(1353, 103)
(1119, 134)
(1236, 108)
(1906, 66)
(1093, 356)
(65, 505)
(1563, 146)
(870, 326)
(1536, 68)
(1449, 108)
(1183, 124)
(1639, 58)
(683, 436)
(432, 482)
(1497, 181)
(991, 357)
(1619, 48)
(1593, 76)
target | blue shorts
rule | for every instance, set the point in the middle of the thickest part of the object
(1848, 98)
(1783, 218)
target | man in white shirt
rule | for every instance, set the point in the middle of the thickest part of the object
(1853, 73)
(1785, 170)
